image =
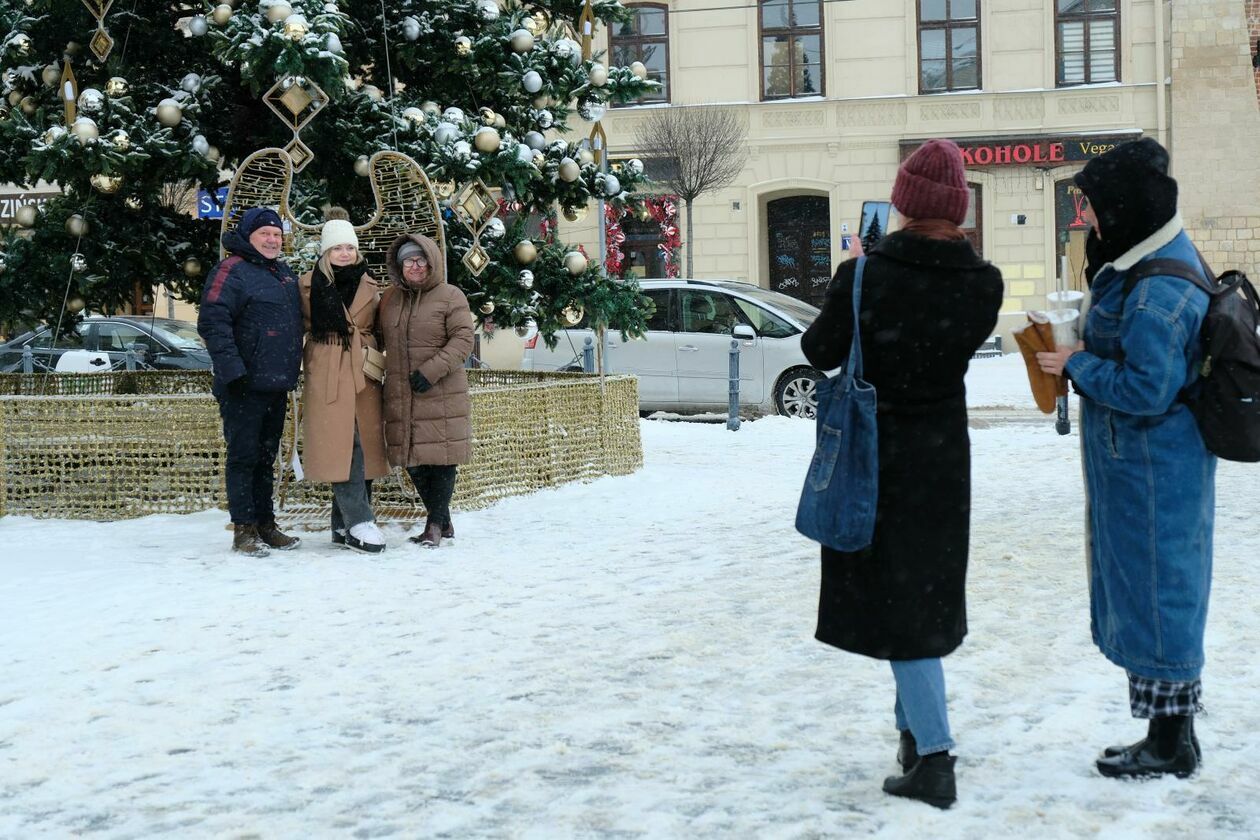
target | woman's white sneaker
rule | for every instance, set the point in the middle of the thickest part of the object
(366, 537)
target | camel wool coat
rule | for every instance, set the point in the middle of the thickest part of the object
(429, 330)
(336, 394)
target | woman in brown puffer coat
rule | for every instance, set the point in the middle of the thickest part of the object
(341, 407)
(427, 331)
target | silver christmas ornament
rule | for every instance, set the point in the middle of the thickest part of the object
(277, 12)
(169, 113)
(76, 225)
(598, 76)
(333, 44)
(527, 279)
(488, 9)
(121, 140)
(524, 153)
(522, 41)
(213, 153)
(639, 69)
(201, 146)
(431, 107)
(191, 83)
(85, 129)
(413, 115)
(198, 26)
(53, 134)
(445, 134)
(411, 28)
(612, 186)
(463, 46)
(594, 110)
(91, 101)
(78, 263)
(4, 261)
(545, 119)
(463, 148)
(453, 115)
(495, 228)
(635, 166)
(535, 140)
(107, 184)
(531, 81)
(27, 215)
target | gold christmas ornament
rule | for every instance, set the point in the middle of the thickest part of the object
(486, 140)
(213, 154)
(575, 262)
(499, 122)
(530, 25)
(85, 129)
(584, 157)
(15, 97)
(639, 69)
(20, 43)
(296, 27)
(522, 41)
(50, 75)
(29, 106)
(107, 184)
(643, 213)
(598, 75)
(487, 116)
(117, 86)
(169, 113)
(572, 316)
(569, 170)
(575, 214)
(75, 305)
(76, 225)
(487, 307)
(431, 107)
(131, 202)
(463, 46)
(121, 140)
(27, 215)
(222, 14)
(525, 252)
(539, 159)
(362, 166)
(53, 134)
(192, 267)
(541, 21)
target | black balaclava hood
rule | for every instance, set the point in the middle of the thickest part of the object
(1132, 195)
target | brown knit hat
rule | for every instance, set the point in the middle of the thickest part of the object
(931, 185)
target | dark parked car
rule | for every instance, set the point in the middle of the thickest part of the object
(101, 343)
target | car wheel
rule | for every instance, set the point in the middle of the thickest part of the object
(796, 394)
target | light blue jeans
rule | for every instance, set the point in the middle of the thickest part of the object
(920, 705)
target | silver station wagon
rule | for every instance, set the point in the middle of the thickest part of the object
(682, 361)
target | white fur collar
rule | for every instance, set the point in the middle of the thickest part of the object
(1149, 245)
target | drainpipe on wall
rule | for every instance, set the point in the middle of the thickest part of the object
(1161, 75)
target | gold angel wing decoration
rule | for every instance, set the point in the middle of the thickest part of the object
(405, 203)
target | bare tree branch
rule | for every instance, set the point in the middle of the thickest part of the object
(695, 150)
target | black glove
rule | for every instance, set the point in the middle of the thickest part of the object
(418, 383)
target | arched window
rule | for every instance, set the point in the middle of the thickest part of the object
(791, 48)
(949, 45)
(1087, 44)
(644, 37)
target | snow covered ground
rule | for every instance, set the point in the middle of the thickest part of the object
(627, 658)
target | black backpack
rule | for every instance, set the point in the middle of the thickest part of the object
(1226, 400)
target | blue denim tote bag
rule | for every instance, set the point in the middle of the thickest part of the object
(837, 506)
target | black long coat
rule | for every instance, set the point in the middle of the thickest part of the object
(927, 304)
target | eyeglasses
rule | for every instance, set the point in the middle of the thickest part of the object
(415, 262)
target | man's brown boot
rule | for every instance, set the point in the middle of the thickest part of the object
(245, 540)
(275, 538)
(430, 537)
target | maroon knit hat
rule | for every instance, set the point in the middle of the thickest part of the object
(931, 184)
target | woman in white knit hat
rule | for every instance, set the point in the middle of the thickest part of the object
(343, 441)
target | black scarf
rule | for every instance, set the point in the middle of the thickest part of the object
(331, 300)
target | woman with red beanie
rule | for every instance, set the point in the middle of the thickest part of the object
(928, 302)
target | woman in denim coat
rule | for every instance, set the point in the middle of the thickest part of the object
(1150, 481)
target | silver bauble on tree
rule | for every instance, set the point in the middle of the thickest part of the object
(598, 76)
(612, 185)
(535, 140)
(522, 41)
(495, 228)
(76, 225)
(639, 69)
(411, 28)
(85, 129)
(453, 115)
(198, 26)
(191, 82)
(532, 81)
(526, 278)
(78, 263)
(169, 113)
(277, 12)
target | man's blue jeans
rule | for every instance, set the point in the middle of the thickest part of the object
(920, 703)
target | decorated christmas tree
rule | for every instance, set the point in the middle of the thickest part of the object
(130, 108)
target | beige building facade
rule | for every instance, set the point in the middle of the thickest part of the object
(834, 95)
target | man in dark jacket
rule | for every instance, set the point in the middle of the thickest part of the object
(251, 320)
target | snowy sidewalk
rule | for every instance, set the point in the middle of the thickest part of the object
(627, 658)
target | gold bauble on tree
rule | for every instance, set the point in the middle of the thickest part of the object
(29, 105)
(487, 116)
(75, 305)
(530, 25)
(296, 27)
(525, 252)
(362, 166)
(192, 267)
(639, 69)
(121, 140)
(572, 316)
(569, 170)
(107, 184)
(222, 14)
(575, 262)
(463, 45)
(575, 214)
(51, 75)
(277, 12)
(487, 307)
(27, 215)
(117, 86)
(486, 140)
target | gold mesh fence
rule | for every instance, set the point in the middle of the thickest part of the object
(109, 446)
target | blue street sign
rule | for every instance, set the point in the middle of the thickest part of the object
(206, 208)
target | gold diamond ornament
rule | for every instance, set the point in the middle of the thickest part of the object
(101, 44)
(295, 101)
(476, 259)
(475, 204)
(299, 153)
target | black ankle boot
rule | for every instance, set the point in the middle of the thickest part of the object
(907, 751)
(931, 781)
(1167, 750)
(1120, 749)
